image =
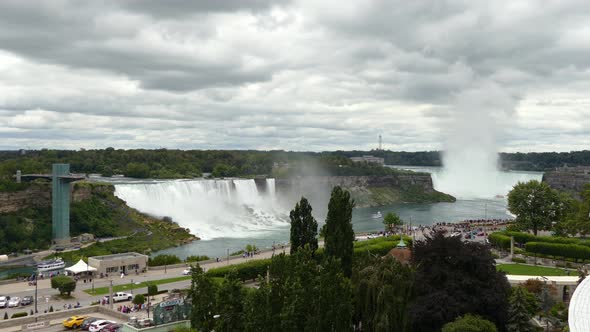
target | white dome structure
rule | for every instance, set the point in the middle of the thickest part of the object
(579, 309)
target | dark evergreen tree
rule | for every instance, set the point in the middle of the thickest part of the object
(230, 305)
(462, 277)
(518, 312)
(383, 294)
(202, 294)
(339, 235)
(304, 227)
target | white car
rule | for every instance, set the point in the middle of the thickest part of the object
(4, 301)
(120, 296)
(14, 302)
(187, 271)
(99, 325)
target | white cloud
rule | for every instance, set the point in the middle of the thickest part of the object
(301, 75)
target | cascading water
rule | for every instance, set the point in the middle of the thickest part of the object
(270, 188)
(209, 208)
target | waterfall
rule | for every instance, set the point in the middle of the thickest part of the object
(209, 208)
(270, 188)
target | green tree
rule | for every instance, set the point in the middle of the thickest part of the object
(334, 308)
(392, 220)
(137, 170)
(444, 266)
(579, 221)
(256, 309)
(230, 305)
(304, 227)
(519, 313)
(383, 294)
(202, 294)
(300, 298)
(152, 290)
(339, 235)
(139, 299)
(65, 284)
(537, 206)
(470, 323)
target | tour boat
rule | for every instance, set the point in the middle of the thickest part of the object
(377, 215)
(55, 264)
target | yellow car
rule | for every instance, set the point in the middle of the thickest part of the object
(74, 322)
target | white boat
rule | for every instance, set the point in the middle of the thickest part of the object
(377, 215)
(55, 264)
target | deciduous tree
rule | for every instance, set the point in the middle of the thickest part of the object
(392, 220)
(470, 323)
(202, 294)
(462, 277)
(537, 206)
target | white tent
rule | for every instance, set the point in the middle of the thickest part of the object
(80, 267)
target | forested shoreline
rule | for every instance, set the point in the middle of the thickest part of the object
(166, 164)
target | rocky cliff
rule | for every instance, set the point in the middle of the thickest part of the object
(569, 179)
(38, 195)
(368, 190)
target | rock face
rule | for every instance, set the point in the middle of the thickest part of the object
(366, 190)
(38, 195)
(569, 179)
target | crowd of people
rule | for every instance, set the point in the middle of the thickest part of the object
(126, 309)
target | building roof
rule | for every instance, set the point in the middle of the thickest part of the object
(118, 256)
(560, 280)
(579, 309)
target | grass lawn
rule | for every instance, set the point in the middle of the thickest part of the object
(520, 269)
(129, 286)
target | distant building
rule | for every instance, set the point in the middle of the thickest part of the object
(119, 263)
(368, 159)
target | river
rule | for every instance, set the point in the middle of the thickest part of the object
(228, 221)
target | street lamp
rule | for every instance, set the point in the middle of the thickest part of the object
(36, 279)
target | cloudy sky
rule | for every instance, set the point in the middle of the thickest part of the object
(294, 75)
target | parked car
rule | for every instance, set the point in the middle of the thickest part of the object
(111, 328)
(119, 296)
(99, 325)
(86, 323)
(4, 301)
(187, 271)
(74, 322)
(14, 302)
(27, 300)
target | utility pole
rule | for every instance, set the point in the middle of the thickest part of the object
(228, 256)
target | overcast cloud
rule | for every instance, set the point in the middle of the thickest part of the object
(293, 75)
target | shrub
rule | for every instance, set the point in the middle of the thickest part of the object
(518, 260)
(195, 258)
(152, 290)
(574, 251)
(470, 323)
(499, 240)
(64, 284)
(19, 314)
(139, 299)
(164, 260)
(245, 271)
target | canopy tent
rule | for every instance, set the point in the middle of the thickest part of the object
(80, 267)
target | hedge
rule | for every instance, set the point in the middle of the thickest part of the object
(574, 251)
(252, 269)
(523, 238)
(19, 314)
(245, 271)
(499, 240)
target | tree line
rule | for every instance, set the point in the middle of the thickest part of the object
(447, 284)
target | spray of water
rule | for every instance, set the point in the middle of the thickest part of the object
(209, 208)
(471, 132)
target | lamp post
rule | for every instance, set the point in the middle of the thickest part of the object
(36, 280)
(227, 256)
